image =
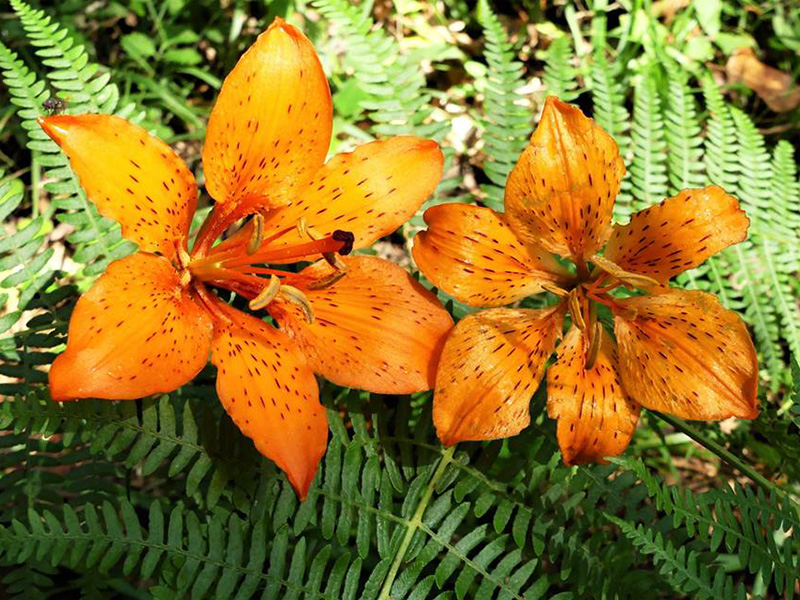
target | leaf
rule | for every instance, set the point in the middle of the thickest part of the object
(774, 87)
(138, 45)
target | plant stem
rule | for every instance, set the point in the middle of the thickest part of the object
(415, 522)
(726, 455)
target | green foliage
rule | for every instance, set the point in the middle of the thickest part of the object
(648, 166)
(78, 82)
(100, 499)
(560, 74)
(507, 125)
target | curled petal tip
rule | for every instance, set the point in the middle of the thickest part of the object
(59, 379)
(55, 126)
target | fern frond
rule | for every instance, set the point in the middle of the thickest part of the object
(97, 240)
(681, 567)
(684, 133)
(23, 253)
(609, 86)
(753, 190)
(761, 530)
(781, 244)
(785, 203)
(560, 74)
(397, 100)
(648, 166)
(508, 115)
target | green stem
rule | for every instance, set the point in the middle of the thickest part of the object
(726, 455)
(415, 522)
(36, 182)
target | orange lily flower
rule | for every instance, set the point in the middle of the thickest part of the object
(676, 351)
(148, 324)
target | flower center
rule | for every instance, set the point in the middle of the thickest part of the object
(244, 264)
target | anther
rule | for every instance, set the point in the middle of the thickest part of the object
(574, 306)
(183, 258)
(327, 280)
(634, 279)
(347, 238)
(266, 295)
(554, 289)
(303, 230)
(257, 235)
(339, 236)
(299, 299)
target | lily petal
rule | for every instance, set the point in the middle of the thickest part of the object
(472, 254)
(682, 353)
(131, 176)
(491, 365)
(369, 192)
(678, 234)
(595, 417)
(136, 332)
(376, 328)
(561, 192)
(270, 128)
(271, 394)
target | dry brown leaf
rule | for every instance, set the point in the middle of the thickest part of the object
(668, 8)
(774, 87)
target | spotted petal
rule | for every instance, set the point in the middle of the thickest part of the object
(561, 192)
(131, 176)
(472, 254)
(270, 128)
(369, 192)
(136, 332)
(682, 353)
(270, 393)
(595, 417)
(376, 329)
(678, 234)
(491, 365)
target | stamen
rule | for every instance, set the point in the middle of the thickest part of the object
(303, 230)
(634, 279)
(338, 242)
(299, 299)
(212, 303)
(594, 346)
(332, 258)
(339, 235)
(574, 306)
(266, 295)
(554, 289)
(183, 258)
(256, 236)
(327, 281)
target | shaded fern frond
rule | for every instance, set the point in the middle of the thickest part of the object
(508, 115)
(194, 555)
(681, 567)
(23, 253)
(188, 442)
(761, 530)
